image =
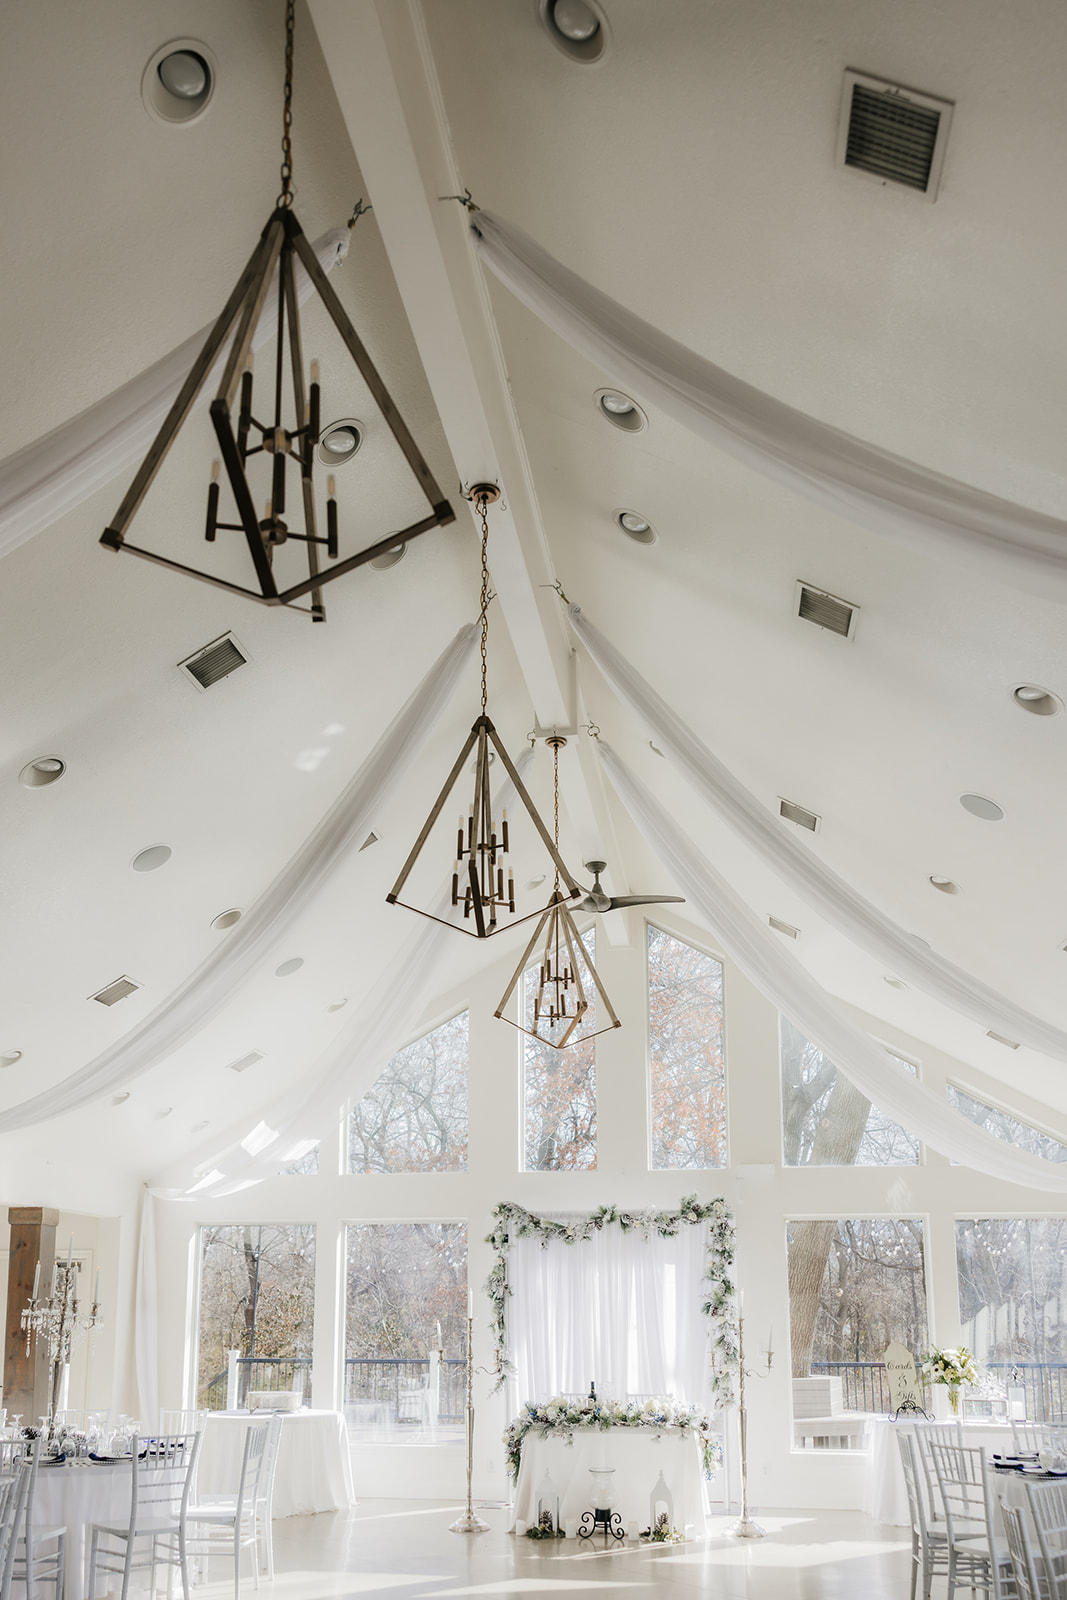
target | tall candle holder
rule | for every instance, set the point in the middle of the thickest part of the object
(470, 1521)
(57, 1319)
(745, 1527)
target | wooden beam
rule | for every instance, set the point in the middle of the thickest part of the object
(33, 1243)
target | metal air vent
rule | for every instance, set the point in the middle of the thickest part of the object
(214, 662)
(784, 927)
(893, 134)
(115, 991)
(799, 814)
(243, 1063)
(1012, 1044)
(827, 611)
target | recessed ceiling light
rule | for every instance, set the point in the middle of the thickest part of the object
(9, 1057)
(45, 770)
(388, 558)
(636, 527)
(120, 1099)
(576, 27)
(338, 1005)
(1038, 701)
(226, 919)
(165, 1112)
(179, 81)
(287, 967)
(979, 806)
(198, 1127)
(622, 412)
(157, 855)
(535, 883)
(656, 751)
(946, 885)
(339, 442)
(895, 983)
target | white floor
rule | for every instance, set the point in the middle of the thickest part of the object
(403, 1548)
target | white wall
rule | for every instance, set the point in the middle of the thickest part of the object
(763, 1192)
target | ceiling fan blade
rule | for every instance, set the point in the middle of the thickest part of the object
(647, 900)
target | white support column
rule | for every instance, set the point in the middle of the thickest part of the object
(327, 1362)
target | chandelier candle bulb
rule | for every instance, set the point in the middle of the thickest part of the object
(36, 1280)
(332, 545)
(455, 884)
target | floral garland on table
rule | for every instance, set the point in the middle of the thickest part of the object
(560, 1418)
(511, 1222)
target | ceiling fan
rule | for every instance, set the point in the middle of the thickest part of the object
(597, 900)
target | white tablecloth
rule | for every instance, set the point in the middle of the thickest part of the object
(638, 1458)
(885, 1497)
(75, 1498)
(314, 1466)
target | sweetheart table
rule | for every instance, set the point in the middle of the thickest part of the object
(638, 1456)
(314, 1465)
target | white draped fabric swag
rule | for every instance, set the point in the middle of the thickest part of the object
(842, 906)
(190, 1006)
(881, 491)
(41, 483)
(780, 977)
(349, 1067)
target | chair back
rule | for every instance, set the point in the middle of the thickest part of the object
(1026, 1436)
(921, 1435)
(965, 1494)
(13, 1492)
(1027, 1586)
(1048, 1507)
(190, 1421)
(269, 1469)
(916, 1510)
(253, 1463)
(162, 1475)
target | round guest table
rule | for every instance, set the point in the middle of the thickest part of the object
(75, 1498)
(886, 1498)
(314, 1466)
(638, 1455)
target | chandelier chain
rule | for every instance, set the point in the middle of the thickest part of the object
(555, 801)
(286, 196)
(484, 615)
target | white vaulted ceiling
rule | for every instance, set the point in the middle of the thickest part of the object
(690, 173)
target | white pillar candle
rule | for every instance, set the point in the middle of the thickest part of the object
(634, 1531)
(96, 1288)
(520, 1528)
(570, 1528)
(36, 1280)
(470, 1302)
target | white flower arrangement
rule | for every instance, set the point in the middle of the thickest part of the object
(562, 1418)
(951, 1366)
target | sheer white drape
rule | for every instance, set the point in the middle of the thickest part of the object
(203, 994)
(620, 1309)
(828, 894)
(51, 476)
(881, 491)
(778, 975)
(146, 1315)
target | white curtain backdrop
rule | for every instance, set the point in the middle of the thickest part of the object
(779, 976)
(204, 993)
(146, 1317)
(881, 491)
(620, 1309)
(348, 1068)
(842, 906)
(48, 478)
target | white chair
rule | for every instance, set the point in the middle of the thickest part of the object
(976, 1558)
(1029, 1584)
(155, 1534)
(181, 1421)
(13, 1492)
(227, 1528)
(929, 1542)
(1048, 1507)
(40, 1553)
(265, 1498)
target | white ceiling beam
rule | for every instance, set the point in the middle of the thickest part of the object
(386, 85)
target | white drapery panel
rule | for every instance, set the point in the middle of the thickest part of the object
(785, 983)
(845, 909)
(203, 994)
(349, 1067)
(881, 491)
(621, 1308)
(48, 478)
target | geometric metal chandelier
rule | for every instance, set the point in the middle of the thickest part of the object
(483, 884)
(561, 1001)
(268, 451)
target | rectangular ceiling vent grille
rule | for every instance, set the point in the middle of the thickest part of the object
(800, 815)
(115, 991)
(826, 610)
(784, 927)
(214, 662)
(999, 1037)
(243, 1063)
(893, 134)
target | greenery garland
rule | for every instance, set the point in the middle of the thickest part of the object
(511, 1222)
(560, 1417)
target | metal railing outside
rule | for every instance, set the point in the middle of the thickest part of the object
(388, 1381)
(865, 1387)
(260, 1372)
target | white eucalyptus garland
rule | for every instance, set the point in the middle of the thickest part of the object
(511, 1222)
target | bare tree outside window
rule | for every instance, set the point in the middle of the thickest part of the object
(1006, 1127)
(414, 1119)
(257, 1296)
(827, 1121)
(559, 1091)
(1013, 1288)
(855, 1286)
(305, 1166)
(685, 1033)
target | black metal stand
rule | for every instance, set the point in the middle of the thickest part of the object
(610, 1521)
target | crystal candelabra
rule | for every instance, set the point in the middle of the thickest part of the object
(470, 1521)
(57, 1319)
(745, 1527)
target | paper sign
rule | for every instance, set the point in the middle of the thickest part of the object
(904, 1388)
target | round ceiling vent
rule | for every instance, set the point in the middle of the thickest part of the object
(157, 855)
(577, 27)
(979, 806)
(179, 81)
(622, 412)
(226, 919)
(45, 770)
(288, 967)
(339, 441)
